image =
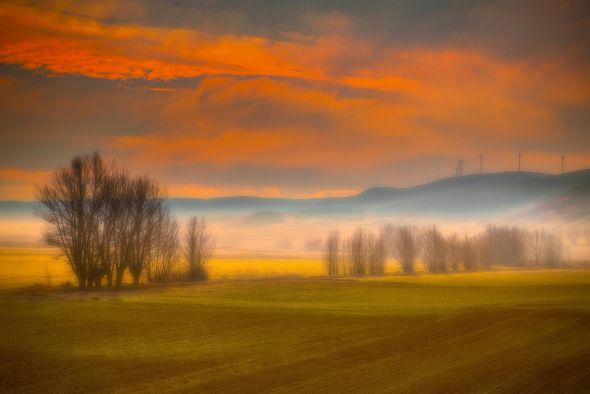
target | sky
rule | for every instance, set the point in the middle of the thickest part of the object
(292, 98)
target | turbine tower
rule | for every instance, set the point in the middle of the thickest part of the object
(459, 168)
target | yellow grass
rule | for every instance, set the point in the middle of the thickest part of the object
(249, 267)
(495, 331)
(21, 266)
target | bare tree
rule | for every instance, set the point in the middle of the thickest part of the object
(199, 248)
(552, 250)
(504, 245)
(165, 247)
(147, 199)
(346, 258)
(103, 222)
(123, 204)
(137, 205)
(405, 247)
(71, 207)
(536, 241)
(454, 251)
(375, 254)
(469, 253)
(433, 250)
(331, 253)
(484, 251)
(518, 242)
(357, 253)
(109, 234)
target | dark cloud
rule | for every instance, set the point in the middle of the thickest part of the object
(244, 175)
(44, 119)
(575, 134)
(514, 28)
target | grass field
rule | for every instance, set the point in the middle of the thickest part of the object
(496, 331)
(22, 266)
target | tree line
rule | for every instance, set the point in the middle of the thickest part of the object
(365, 253)
(107, 224)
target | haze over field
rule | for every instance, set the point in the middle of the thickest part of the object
(463, 205)
(330, 115)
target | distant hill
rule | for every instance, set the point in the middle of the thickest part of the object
(479, 195)
(473, 196)
(572, 205)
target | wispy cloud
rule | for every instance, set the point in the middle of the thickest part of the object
(19, 184)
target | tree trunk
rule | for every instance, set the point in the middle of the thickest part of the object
(82, 283)
(119, 278)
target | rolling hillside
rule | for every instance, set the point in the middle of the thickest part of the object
(471, 196)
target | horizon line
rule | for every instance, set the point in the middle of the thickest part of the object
(351, 195)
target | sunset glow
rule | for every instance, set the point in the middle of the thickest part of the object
(319, 101)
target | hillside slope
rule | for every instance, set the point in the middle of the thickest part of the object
(479, 195)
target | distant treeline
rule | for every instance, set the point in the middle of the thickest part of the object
(364, 253)
(107, 223)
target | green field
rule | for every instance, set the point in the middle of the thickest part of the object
(495, 331)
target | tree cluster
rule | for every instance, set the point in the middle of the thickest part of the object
(362, 253)
(108, 224)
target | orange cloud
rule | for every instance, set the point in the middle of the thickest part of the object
(19, 184)
(261, 121)
(60, 44)
(331, 101)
